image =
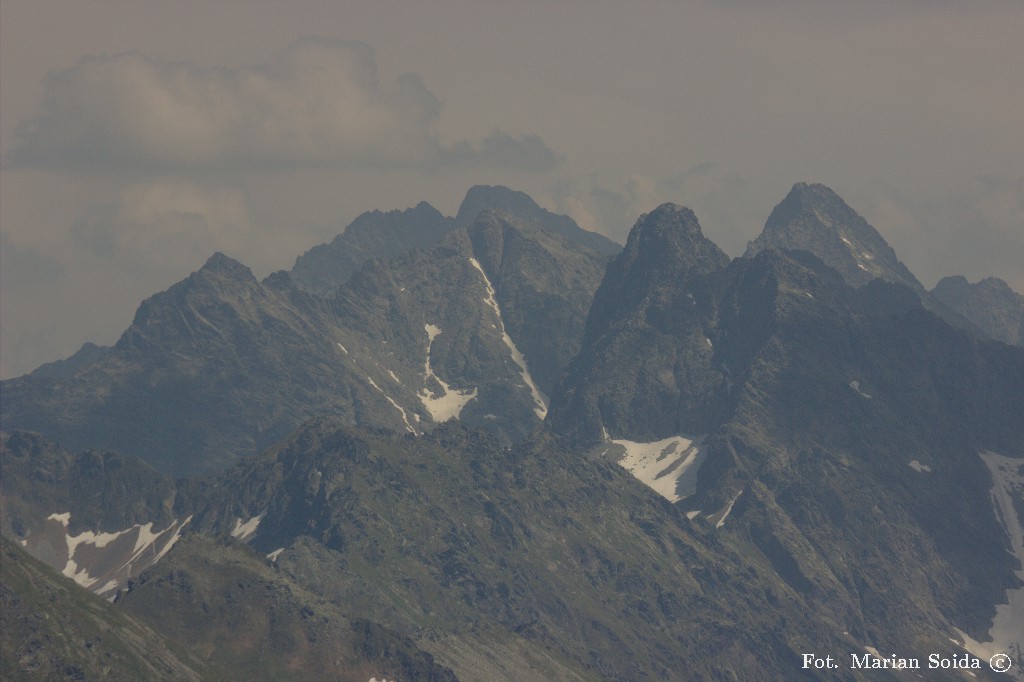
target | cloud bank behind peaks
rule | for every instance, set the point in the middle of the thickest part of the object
(319, 104)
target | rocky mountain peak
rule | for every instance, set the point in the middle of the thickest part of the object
(481, 197)
(665, 248)
(219, 266)
(814, 218)
(526, 211)
(669, 226)
(374, 234)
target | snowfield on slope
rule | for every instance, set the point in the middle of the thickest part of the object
(449, 403)
(668, 466)
(103, 562)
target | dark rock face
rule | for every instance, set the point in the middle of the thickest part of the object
(990, 304)
(814, 218)
(544, 285)
(644, 369)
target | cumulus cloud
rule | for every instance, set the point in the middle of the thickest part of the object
(163, 228)
(321, 103)
(24, 268)
(973, 229)
(729, 210)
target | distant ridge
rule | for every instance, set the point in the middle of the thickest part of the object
(990, 304)
(377, 234)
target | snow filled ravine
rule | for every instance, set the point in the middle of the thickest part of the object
(668, 466)
(540, 403)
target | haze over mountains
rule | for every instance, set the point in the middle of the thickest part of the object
(415, 439)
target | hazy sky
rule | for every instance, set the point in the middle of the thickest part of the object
(137, 138)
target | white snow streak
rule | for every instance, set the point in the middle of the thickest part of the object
(405, 416)
(1007, 632)
(669, 466)
(855, 385)
(276, 553)
(449, 403)
(343, 349)
(918, 467)
(728, 510)
(539, 400)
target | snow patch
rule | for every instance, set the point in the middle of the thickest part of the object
(668, 466)
(343, 349)
(449, 404)
(1007, 632)
(64, 518)
(540, 402)
(918, 467)
(276, 553)
(693, 514)
(855, 385)
(243, 531)
(395, 377)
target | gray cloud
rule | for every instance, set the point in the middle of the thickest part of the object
(26, 268)
(974, 229)
(321, 103)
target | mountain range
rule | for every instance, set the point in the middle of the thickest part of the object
(497, 446)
